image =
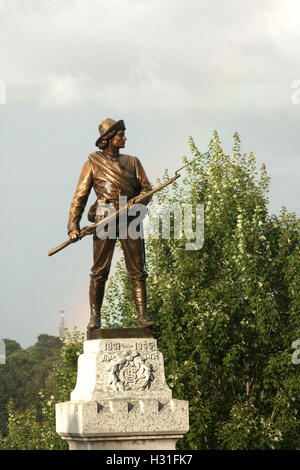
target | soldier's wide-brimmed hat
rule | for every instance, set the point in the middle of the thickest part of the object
(107, 126)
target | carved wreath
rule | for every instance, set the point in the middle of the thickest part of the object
(131, 373)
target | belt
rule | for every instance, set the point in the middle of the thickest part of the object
(107, 201)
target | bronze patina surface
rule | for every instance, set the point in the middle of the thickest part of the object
(112, 333)
(111, 175)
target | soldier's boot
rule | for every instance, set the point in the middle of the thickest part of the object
(96, 298)
(140, 299)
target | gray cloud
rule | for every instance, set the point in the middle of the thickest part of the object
(136, 53)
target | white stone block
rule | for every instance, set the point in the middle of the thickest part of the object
(121, 399)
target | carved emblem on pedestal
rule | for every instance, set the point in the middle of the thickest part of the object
(130, 372)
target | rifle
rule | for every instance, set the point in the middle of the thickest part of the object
(91, 229)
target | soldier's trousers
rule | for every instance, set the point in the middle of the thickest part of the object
(134, 254)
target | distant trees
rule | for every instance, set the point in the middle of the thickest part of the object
(30, 423)
(25, 373)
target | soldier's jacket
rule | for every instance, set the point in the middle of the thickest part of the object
(110, 177)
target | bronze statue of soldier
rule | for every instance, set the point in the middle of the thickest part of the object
(112, 174)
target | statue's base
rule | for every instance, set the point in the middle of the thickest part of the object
(121, 399)
(117, 443)
(113, 333)
(122, 424)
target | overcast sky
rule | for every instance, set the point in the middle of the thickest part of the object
(170, 69)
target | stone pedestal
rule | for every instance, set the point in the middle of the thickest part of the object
(121, 400)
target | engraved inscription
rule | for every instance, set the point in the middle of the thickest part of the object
(107, 358)
(144, 346)
(112, 346)
(151, 356)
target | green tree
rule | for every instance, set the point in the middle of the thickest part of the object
(226, 315)
(25, 373)
(65, 369)
(11, 346)
(26, 430)
(33, 427)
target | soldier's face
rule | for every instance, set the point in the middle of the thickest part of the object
(119, 139)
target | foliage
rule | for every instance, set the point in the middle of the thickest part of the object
(26, 432)
(118, 309)
(25, 373)
(33, 427)
(11, 346)
(226, 315)
(65, 370)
